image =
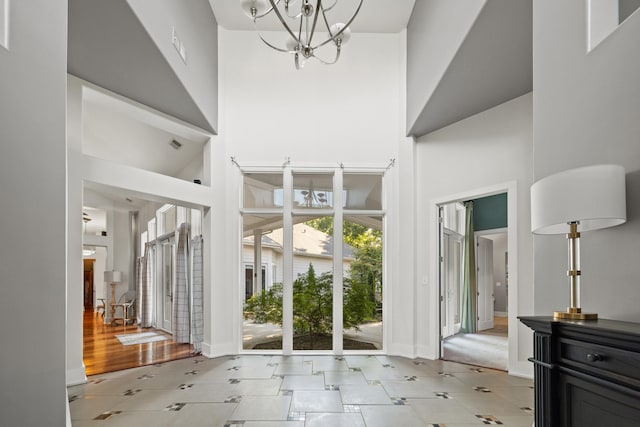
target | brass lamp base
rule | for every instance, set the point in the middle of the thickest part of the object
(574, 313)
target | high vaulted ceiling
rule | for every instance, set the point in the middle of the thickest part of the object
(375, 16)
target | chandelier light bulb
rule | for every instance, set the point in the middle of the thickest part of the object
(255, 8)
(344, 37)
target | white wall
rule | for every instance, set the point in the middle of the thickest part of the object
(32, 177)
(481, 152)
(586, 112)
(351, 112)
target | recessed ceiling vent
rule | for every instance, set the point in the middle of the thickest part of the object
(175, 144)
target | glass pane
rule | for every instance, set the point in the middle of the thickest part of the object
(312, 191)
(167, 281)
(262, 310)
(362, 191)
(313, 283)
(262, 190)
(362, 285)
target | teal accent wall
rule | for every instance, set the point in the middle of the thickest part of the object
(490, 212)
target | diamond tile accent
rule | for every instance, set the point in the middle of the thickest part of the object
(192, 372)
(146, 377)
(478, 370)
(399, 400)
(410, 378)
(351, 409)
(489, 419)
(331, 387)
(417, 363)
(528, 410)
(233, 399)
(234, 423)
(175, 407)
(286, 393)
(386, 365)
(73, 398)
(442, 395)
(436, 425)
(185, 386)
(98, 381)
(234, 381)
(131, 392)
(355, 370)
(234, 368)
(107, 415)
(482, 389)
(446, 374)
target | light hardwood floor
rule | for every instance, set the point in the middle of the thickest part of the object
(103, 352)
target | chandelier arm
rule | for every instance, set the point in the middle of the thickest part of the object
(338, 50)
(267, 12)
(282, 21)
(279, 49)
(327, 9)
(333, 37)
(315, 20)
(295, 16)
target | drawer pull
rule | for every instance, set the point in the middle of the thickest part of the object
(594, 357)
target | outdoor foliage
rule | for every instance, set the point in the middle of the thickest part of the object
(312, 304)
(366, 269)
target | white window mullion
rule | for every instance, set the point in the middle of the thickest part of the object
(337, 263)
(287, 273)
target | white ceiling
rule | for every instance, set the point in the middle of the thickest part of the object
(376, 16)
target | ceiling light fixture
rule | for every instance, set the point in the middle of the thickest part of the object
(301, 42)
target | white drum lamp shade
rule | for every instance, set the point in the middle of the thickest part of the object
(593, 196)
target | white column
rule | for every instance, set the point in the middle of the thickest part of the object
(337, 263)
(287, 274)
(257, 261)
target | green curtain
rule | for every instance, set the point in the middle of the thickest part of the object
(468, 322)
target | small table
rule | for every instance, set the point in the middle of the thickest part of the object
(125, 311)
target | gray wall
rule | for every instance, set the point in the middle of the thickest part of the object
(33, 212)
(197, 29)
(586, 111)
(435, 32)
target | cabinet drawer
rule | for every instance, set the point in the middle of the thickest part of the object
(611, 363)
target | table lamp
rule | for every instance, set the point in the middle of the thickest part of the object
(112, 277)
(573, 201)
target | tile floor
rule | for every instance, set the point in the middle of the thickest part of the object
(298, 391)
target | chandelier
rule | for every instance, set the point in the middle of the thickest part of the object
(305, 17)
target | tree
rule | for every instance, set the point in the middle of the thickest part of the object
(366, 269)
(312, 305)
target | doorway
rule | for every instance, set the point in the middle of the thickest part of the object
(88, 283)
(483, 339)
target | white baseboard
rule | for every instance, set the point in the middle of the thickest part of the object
(76, 376)
(224, 349)
(68, 409)
(426, 352)
(523, 369)
(403, 350)
(501, 314)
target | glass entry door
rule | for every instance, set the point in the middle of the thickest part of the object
(166, 281)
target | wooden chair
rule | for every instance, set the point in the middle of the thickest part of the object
(102, 305)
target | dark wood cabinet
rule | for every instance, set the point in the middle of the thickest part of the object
(587, 373)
